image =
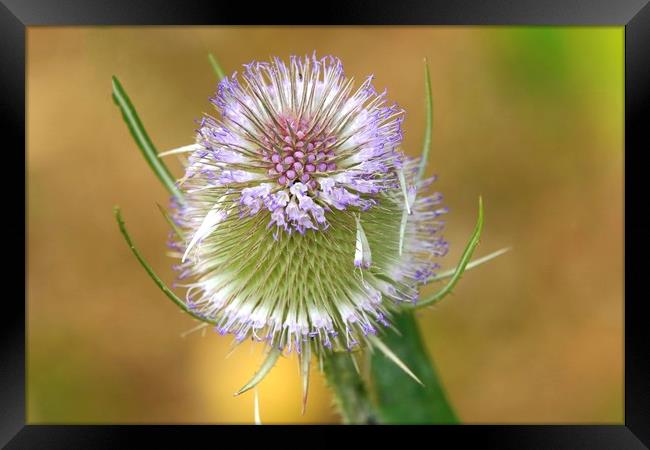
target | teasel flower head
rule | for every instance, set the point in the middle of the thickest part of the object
(304, 226)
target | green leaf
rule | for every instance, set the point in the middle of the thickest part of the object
(305, 360)
(388, 353)
(426, 142)
(350, 391)
(460, 268)
(265, 368)
(216, 67)
(400, 399)
(141, 138)
(256, 413)
(405, 212)
(476, 262)
(173, 297)
(177, 231)
(402, 183)
(402, 231)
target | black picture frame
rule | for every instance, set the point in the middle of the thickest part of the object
(16, 15)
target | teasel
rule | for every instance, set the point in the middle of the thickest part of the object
(299, 222)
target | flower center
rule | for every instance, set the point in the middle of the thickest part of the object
(299, 152)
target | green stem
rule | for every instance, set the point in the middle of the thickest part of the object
(148, 150)
(350, 392)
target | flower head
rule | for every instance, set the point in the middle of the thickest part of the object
(304, 224)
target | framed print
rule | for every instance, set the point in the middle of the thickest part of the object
(391, 214)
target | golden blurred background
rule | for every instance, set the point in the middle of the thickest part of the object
(531, 118)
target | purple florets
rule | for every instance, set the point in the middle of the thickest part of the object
(297, 140)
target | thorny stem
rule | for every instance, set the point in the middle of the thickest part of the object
(350, 391)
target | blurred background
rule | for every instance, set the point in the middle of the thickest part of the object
(531, 118)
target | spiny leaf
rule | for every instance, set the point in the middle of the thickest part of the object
(426, 143)
(471, 265)
(402, 230)
(179, 150)
(305, 360)
(177, 231)
(173, 297)
(462, 264)
(216, 67)
(355, 363)
(393, 357)
(200, 326)
(362, 253)
(265, 368)
(405, 212)
(258, 420)
(402, 183)
(141, 138)
(399, 400)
